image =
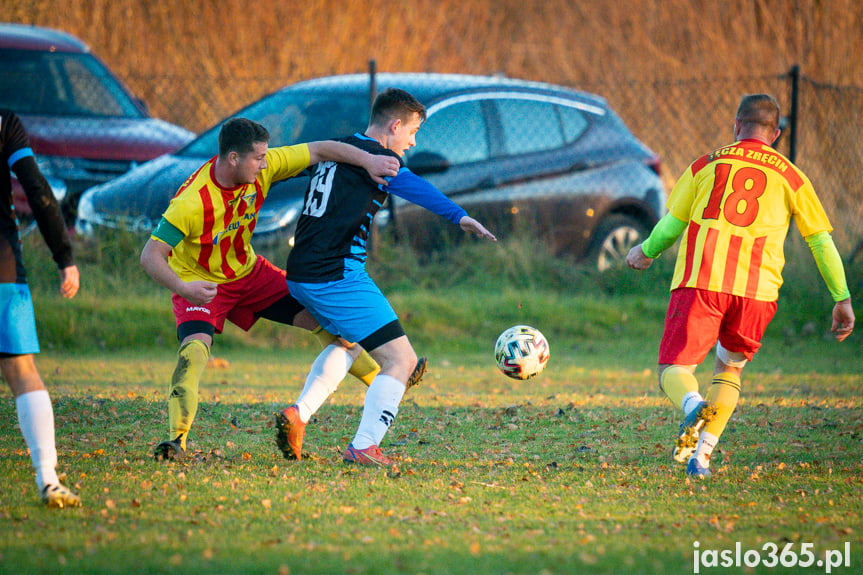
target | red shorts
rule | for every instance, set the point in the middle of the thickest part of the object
(697, 318)
(238, 300)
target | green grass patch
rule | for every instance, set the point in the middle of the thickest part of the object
(568, 472)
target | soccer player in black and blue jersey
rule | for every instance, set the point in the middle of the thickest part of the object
(326, 272)
(18, 340)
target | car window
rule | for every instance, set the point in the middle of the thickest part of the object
(456, 132)
(61, 84)
(574, 123)
(295, 117)
(529, 126)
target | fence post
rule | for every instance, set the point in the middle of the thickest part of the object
(794, 74)
(373, 82)
(373, 92)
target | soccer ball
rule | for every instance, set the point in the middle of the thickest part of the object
(521, 352)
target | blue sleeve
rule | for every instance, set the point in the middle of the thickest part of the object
(409, 186)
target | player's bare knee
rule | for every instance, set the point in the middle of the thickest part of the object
(21, 374)
(404, 365)
(733, 359)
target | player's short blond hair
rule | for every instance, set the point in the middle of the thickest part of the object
(758, 109)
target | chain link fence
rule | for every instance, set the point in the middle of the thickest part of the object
(680, 119)
(830, 150)
(683, 119)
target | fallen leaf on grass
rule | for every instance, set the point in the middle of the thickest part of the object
(218, 363)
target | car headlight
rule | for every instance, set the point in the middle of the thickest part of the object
(58, 186)
(58, 170)
(87, 215)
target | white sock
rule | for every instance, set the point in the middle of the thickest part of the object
(379, 410)
(706, 443)
(690, 402)
(329, 369)
(36, 420)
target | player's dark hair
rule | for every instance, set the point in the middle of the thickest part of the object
(395, 103)
(240, 135)
(758, 109)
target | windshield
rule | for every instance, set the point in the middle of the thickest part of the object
(61, 84)
(294, 116)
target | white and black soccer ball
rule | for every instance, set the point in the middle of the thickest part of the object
(521, 352)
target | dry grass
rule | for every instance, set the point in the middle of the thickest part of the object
(202, 44)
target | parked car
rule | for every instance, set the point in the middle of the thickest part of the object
(519, 156)
(85, 127)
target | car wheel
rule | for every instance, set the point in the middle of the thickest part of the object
(612, 240)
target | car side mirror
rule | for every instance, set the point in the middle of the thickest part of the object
(428, 163)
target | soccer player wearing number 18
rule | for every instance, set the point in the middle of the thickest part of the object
(734, 205)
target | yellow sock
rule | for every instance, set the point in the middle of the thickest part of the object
(724, 392)
(364, 367)
(676, 382)
(183, 398)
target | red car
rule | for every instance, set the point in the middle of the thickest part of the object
(85, 127)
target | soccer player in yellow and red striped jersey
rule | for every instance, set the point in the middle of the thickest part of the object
(201, 251)
(733, 208)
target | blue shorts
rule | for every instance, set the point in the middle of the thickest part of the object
(353, 308)
(17, 320)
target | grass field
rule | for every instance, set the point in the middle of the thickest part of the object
(567, 473)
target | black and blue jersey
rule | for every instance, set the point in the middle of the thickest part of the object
(339, 207)
(17, 156)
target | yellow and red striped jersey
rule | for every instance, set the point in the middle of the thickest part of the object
(739, 201)
(217, 223)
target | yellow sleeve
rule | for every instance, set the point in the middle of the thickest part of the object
(181, 214)
(809, 214)
(285, 162)
(681, 197)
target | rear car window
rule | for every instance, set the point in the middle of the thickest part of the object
(456, 132)
(574, 123)
(529, 126)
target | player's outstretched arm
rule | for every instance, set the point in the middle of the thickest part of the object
(843, 319)
(469, 224)
(378, 166)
